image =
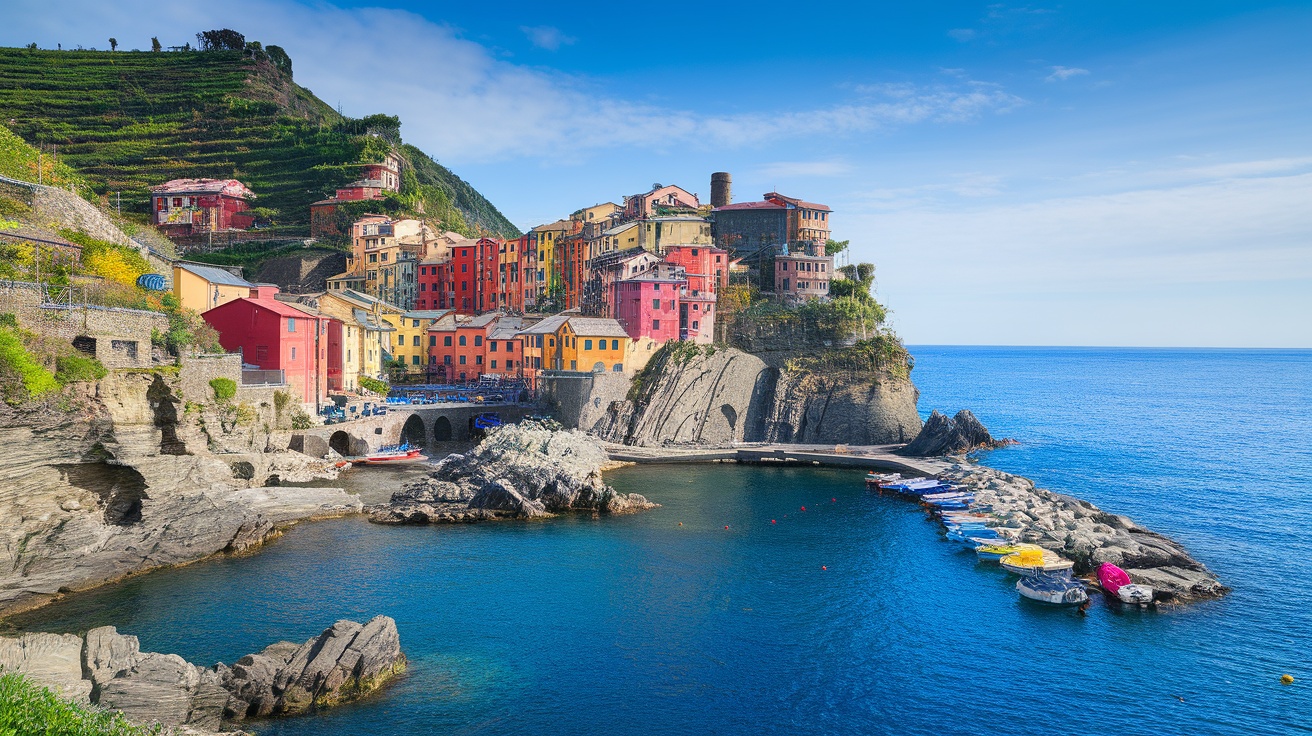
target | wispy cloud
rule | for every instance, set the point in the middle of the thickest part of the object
(1062, 73)
(549, 38)
(802, 169)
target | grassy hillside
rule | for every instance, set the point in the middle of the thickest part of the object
(130, 120)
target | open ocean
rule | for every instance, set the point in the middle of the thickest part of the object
(636, 625)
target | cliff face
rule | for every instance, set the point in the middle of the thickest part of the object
(123, 479)
(726, 395)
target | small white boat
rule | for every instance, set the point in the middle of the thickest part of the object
(1058, 589)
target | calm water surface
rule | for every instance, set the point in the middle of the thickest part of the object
(637, 625)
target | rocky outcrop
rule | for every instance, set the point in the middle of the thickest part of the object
(724, 395)
(1084, 533)
(957, 435)
(125, 482)
(522, 471)
(347, 661)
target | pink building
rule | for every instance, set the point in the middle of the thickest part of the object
(648, 308)
(707, 267)
(697, 317)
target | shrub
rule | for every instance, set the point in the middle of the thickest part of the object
(373, 384)
(71, 368)
(21, 376)
(9, 319)
(280, 401)
(224, 389)
(28, 708)
(301, 420)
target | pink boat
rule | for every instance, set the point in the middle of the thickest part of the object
(1117, 582)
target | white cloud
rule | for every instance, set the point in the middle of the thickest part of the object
(547, 37)
(1062, 73)
(962, 34)
(799, 169)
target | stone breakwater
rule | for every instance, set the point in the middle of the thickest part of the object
(522, 471)
(105, 668)
(1082, 532)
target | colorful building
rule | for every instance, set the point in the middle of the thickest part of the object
(410, 341)
(201, 288)
(659, 198)
(277, 336)
(748, 228)
(590, 344)
(648, 308)
(803, 273)
(190, 206)
(375, 179)
(370, 343)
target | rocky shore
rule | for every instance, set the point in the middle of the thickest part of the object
(1082, 532)
(522, 471)
(105, 668)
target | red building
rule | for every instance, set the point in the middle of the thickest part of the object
(434, 287)
(277, 336)
(648, 308)
(458, 351)
(489, 294)
(707, 267)
(191, 206)
(375, 179)
(464, 278)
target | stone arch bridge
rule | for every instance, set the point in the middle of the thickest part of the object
(417, 424)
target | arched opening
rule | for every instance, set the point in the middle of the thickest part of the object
(730, 414)
(340, 443)
(413, 431)
(599, 367)
(85, 344)
(442, 429)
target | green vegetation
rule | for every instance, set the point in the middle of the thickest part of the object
(858, 279)
(883, 351)
(22, 376)
(251, 257)
(224, 389)
(834, 247)
(71, 368)
(18, 160)
(27, 709)
(373, 384)
(131, 120)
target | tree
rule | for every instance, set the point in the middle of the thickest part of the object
(857, 282)
(280, 59)
(31, 46)
(154, 43)
(113, 44)
(834, 247)
(224, 39)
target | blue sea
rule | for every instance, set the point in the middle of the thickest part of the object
(731, 610)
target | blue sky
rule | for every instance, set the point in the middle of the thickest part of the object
(1051, 174)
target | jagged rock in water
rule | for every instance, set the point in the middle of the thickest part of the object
(942, 435)
(347, 661)
(522, 470)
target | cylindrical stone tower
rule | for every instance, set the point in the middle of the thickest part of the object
(721, 189)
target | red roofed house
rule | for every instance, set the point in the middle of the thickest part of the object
(274, 335)
(375, 179)
(190, 206)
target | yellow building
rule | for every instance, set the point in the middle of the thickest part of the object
(657, 232)
(373, 335)
(410, 341)
(589, 344)
(596, 212)
(547, 236)
(202, 288)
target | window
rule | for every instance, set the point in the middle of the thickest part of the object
(414, 323)
(551, 342)
(423, 286)
(414, 360)
(494, 363)
(293, 352)
(432, 341)
(694, 251)
(446, 359)
(348, 356)
(462, 360)
(587, 344)
(261, 352)
(478, 341)
(695, 325)
(655, 325)
(423, 270)
(464, 286)
(492, 346)
(291, 324)
(446, 341)
(785, 284)
(416, 342)
(656, 304)
(373, 257)
(510, 346)
(384, 258)
(478, 360)
(462, 340)
(400, 340)
(464, 268)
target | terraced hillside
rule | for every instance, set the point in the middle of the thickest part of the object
(129, 120)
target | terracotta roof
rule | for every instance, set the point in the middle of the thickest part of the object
(228, 187)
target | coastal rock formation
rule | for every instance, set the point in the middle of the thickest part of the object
(347, 661)
(1082, 532)
(126, 481)
(718, 395)
(525, 470)
(942, 435)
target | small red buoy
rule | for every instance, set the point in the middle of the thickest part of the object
(726, 526)
(772, 521)
(823, 567)
(681, 523)
(804, 508)
(833, 500)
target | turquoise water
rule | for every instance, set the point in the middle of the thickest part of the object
(637, 625)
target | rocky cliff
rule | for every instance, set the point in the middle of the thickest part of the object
(347, 661)
(689, 394)
(126, 476)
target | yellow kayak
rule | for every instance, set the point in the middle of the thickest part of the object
(1035, 560)
(995, 552)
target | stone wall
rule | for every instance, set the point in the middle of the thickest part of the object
(580, 399)
(66, 209)
(120, 338)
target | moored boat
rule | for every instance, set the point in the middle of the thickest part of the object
(1029, 561)
(991, 550)
(1056, 588)
(394, 454)
(1117, 582)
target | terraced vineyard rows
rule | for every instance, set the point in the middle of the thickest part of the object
(130, 120)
